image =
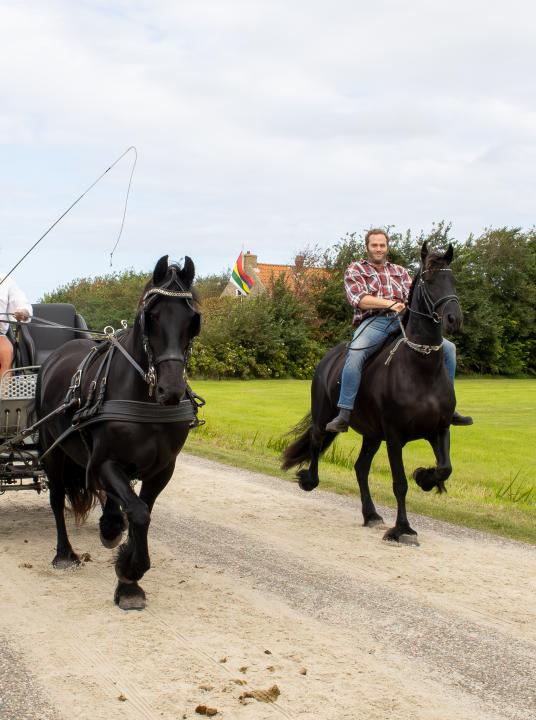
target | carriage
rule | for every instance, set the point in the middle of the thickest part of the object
(52, 325)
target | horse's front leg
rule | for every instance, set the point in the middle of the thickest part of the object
(112, 524)
(429, 478)
(153, 486)
(132, 560)
(402, 531)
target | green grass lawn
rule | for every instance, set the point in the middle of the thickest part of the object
(493, 484)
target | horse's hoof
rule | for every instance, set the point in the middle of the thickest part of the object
(305, 481)
(374, 521)
(66, 563)
(400, 538)
(111, 544)
(132, 603)
(130, 596)
(111, 530)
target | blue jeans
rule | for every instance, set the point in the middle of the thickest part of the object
(366, 340)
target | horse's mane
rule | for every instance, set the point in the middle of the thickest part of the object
(410, 296)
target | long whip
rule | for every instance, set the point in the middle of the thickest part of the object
(76, 203)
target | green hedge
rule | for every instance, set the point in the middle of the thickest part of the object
(284, 333)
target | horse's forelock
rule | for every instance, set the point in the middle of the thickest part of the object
(177, 284)
(434, 261)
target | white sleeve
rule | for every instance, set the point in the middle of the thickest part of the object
(17, 300)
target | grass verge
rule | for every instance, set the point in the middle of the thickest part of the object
(493, 485)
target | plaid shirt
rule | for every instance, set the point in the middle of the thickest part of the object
(361, 278)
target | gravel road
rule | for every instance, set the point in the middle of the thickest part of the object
(256, 585)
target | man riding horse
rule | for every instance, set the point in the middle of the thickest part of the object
(378, 291)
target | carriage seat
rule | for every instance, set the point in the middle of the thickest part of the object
(37, 343)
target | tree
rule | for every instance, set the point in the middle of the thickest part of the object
(104, 300)
(496, 279)
(209, 286)
(285, 331)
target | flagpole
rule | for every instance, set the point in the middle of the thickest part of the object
(241, 295)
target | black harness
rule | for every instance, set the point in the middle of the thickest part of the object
(97, 409)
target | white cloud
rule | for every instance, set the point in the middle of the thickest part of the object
(267, 124)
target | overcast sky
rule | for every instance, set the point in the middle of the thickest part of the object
(267, 126)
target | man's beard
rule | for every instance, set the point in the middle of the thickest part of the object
(378, 260)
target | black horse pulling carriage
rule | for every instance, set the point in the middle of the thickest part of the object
(108, 413)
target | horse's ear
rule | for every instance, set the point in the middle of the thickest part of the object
(187, 273)
(160, 270)
(449, 254)
(424, 251)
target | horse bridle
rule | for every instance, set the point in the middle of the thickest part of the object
(432, 314)
(431, 305)
(147, 301)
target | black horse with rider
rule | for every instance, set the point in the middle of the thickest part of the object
(406, 393)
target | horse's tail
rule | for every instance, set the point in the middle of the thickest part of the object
(81, 498)
(81, 494)
(306, 448)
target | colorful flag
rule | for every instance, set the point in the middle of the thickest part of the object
(239, 278)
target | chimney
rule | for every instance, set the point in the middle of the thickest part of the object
(250, 262)
(299, 262)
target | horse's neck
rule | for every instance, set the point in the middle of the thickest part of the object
(125, 380)
(133, 344)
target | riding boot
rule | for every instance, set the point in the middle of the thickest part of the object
(341, 422)
(458, 419)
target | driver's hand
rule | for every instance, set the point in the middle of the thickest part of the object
(21, 315)
(398, 307)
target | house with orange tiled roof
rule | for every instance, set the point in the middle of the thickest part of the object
(265, 274)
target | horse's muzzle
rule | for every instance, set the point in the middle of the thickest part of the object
(170, 384)
(452, 318)
(169, 395)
